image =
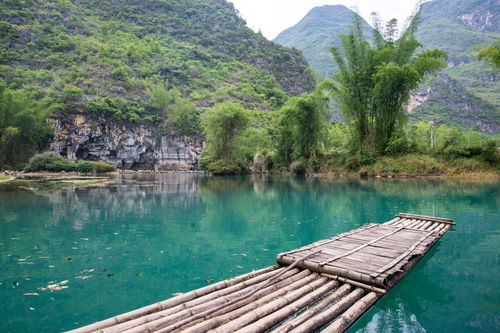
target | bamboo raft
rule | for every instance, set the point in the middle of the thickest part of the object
(326, 285)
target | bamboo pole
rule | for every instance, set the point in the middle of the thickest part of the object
(425, 217)
(261, 298)
(425, 225)
(314, 310)
(419, 224)
(170, 302)
(444, 230)
(355, 283)
(196, 305)
(393, 221)
(270, 307)
(345, 320)
(401, 257)
(433, 226)
(276, 317)
(326, 241)
(167, 325)
(361, 247)
(320, 320)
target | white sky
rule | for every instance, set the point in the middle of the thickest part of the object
(273, 16)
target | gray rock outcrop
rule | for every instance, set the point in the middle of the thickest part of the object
(128, 146)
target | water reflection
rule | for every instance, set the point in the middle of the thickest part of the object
(149, 236)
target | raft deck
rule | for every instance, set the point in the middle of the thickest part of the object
(326, 285)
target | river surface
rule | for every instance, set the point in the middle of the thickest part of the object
(141, 239)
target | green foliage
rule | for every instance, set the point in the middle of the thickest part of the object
(178, 113)
(23, 126)
(109, 49)
(374, 82)
(317, 32)
(100, 167)
(118, 108)
(491, 54)
(301, 128)
(53, 162)
(84, 166)
(42, 162)
(224, 125)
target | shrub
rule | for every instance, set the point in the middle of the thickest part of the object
(84, 166)
(103, 167)
(221, 167)
(42, 161)
(61, 165)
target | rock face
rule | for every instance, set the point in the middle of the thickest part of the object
(128, 146)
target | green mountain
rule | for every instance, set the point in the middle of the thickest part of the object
(467, 93)
(317, 32)
(84, 52)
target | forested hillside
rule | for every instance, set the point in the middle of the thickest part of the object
(466, 93)
(317, 32)
(87, 50)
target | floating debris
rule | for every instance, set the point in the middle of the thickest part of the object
(88, 270)
(162, 251)
(31, 308)
(74, 248)
(15, 284)
(15, 238)
(85, 239)
(138, 274)
(51, 266)
(31, 294)
(83, 277)
(237, 266)
(177, 294)
(53, 285)
(209, 281)
(109, 248)
(43, 257)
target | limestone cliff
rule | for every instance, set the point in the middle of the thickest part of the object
(128, 146)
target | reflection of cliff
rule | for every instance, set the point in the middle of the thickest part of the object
(130, 196)
(180, 230)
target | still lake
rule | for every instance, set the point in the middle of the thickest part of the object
(142, 238)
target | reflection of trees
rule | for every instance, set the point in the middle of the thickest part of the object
(182, 229)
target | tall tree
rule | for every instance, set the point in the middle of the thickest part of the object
(223, 126)
(23, 126)
(374, 81)
(301, 127)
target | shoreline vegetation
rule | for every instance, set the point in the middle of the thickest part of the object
(293, 135)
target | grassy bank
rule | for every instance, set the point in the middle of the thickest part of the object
(422, 165)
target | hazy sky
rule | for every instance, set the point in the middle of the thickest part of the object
(273, 16)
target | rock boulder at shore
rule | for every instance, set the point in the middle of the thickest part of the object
(128, 146)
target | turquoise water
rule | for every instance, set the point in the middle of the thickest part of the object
(147, 237)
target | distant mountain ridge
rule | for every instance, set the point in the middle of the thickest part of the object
(317, 32)
(465, 94)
